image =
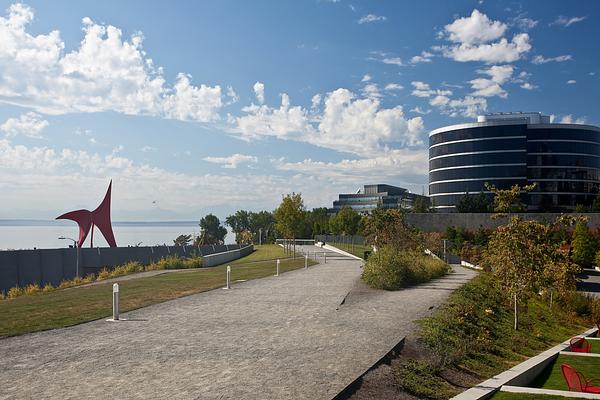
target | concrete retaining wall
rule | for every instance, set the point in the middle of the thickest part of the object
(23, 267)
(221, 258)
(438, 222)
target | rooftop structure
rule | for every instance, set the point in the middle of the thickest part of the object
(375, 196)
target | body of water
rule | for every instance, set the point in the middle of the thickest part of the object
(27, 234)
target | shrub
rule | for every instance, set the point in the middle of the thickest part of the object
(15, 292)
(585, 245)
(48, 287)
(32, 289)
(391, 269)
(103, 274)
(419, 378)
(2, 295)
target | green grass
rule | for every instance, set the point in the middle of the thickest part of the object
(524, 396)
(551, 377)
(355, 249)
(263, 253)
(73, 306)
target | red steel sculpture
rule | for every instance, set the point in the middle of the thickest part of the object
(100, 217)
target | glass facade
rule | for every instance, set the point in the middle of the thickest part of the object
(372, 197)
(564, 161)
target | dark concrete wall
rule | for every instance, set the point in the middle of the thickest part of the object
(23, 267)
(438, 222)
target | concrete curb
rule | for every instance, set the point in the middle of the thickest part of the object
(561, 393)
(336, 250)
(519, 375)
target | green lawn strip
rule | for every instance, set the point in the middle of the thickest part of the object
(551, 377)
(355, 249)
(67, 307)
(262, 253)
(524, 396)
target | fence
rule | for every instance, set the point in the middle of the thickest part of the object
(346, 239)
(42, 266)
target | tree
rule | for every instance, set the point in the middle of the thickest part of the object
(211, 230)
(239, 222)
(585, 245)
(244, 237)
(421, 205)
(509, 200)
(317, 222)
(289, 217)
(473, 204)
(388, 227)
(263, 223)
(345, 222)
(526, 258)
(596, 203)
(182, 240)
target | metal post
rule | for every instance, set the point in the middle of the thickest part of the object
(445, 260)
(325, 257)
(228, 278)
(277, 274)
(305, 261)
(115, 302)
(259, 236)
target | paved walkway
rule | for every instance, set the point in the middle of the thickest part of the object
(285, 337)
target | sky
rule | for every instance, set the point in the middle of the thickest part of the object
(214, 106)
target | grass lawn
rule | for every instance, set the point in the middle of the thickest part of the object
(356, 249)
(552, 377)
(524, 396)
(262, 253)
(73, 306)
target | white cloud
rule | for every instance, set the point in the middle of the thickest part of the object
(528, 86)
(422, 89)
(105, 73)
(469, 106)
(315, 101)
(439, 100)
(474, 39)
(371, 18)
(525, 23)
(393, 86)
(232, 161)
(568, 119)
(425, 57)
(259, 91)
(146, 149)
(366, 78)
(347, 123)
(541, 60)
(571, 82)
(371, 91)
(393, 61)
(475, 29)
(419, 110)
(483, 87)
(567, 21)
(29, 124)
(492, 53)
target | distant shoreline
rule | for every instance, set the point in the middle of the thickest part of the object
(43, 222)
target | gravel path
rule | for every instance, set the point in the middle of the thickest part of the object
(285, 337)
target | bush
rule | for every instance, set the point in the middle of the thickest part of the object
(420, 379)
(15, 292)
(391, 269)
(103, 274)
(32, 289)
(2, 295)
(48, 287)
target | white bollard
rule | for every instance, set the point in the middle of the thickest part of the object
(277, 274)
(325, 257)
(228, 278)
(115, 302)
(305, 261)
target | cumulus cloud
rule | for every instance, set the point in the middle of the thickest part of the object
(369, 18)
(347, 123)
(568, 119)
(104, 73)
(475, 29)
(424, 57)
(30, 124)
(259, 92)
(528, 86)
(392, 61)
(541, 60)
(422, 89)
(419, 110)
(525, 23)
(567, 21)
(571, 82)
(232, 161)
(478, 38)
(366, 78)
(393, 86)
(484, 87)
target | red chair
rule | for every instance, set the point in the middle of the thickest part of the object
(580, 345)
(577, 382)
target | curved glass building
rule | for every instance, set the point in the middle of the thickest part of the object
(515, 148)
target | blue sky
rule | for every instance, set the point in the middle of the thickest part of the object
(214, 106)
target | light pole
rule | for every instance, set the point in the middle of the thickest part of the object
(77, 247)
